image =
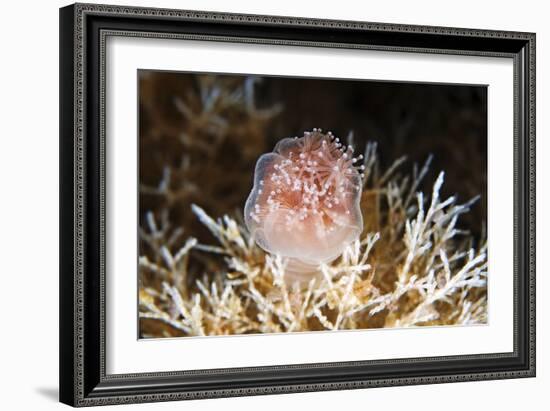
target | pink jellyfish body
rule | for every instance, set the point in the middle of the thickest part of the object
(304, 204)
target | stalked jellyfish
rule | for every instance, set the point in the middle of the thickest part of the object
(304, 205)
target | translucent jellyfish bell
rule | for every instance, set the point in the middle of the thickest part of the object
(304, 204)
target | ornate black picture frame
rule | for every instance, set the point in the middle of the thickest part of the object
(83, 30)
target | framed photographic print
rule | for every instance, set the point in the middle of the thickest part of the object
(260, 204)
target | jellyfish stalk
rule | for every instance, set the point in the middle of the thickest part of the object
(305, 202)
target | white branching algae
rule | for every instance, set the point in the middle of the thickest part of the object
(404, 263)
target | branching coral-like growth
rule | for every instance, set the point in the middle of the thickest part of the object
(410, 266)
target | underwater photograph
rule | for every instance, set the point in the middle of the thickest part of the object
(272, 204)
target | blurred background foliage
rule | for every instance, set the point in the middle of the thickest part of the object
(207, 131)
